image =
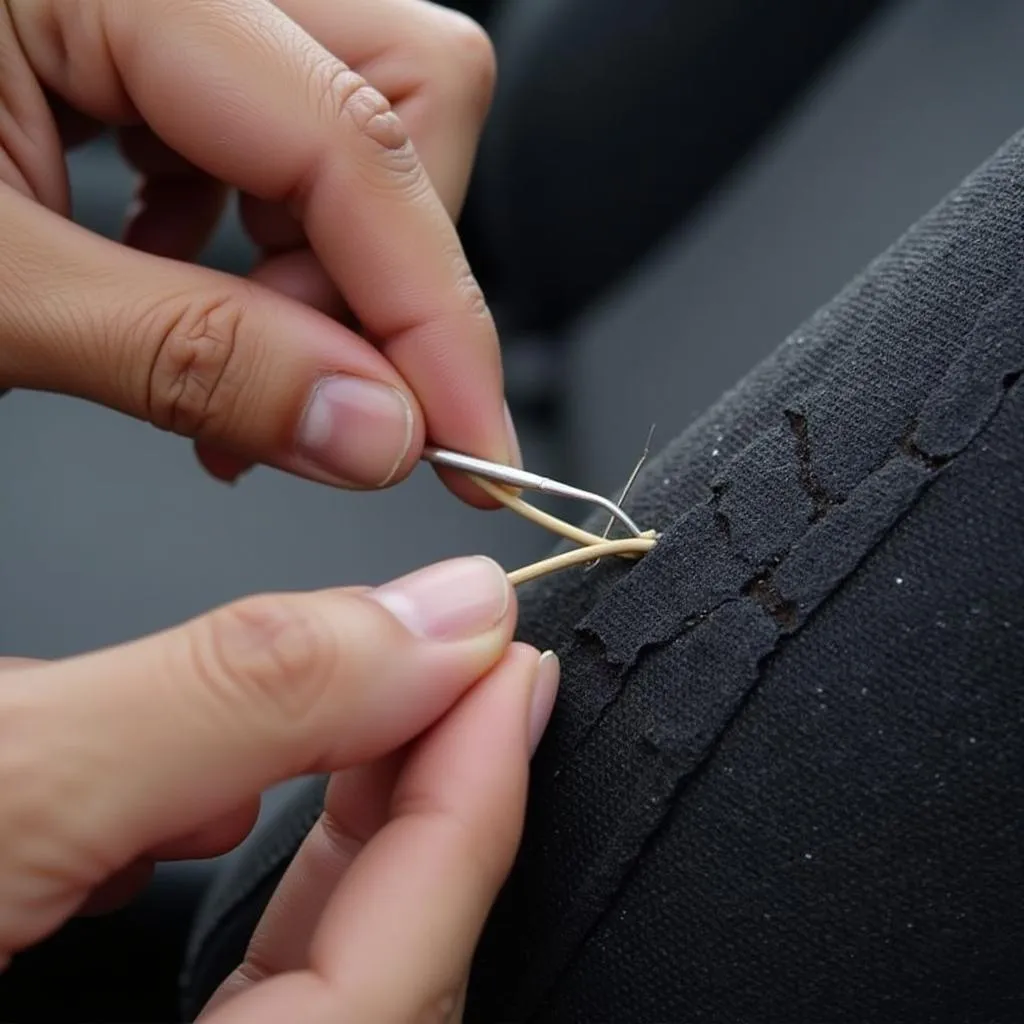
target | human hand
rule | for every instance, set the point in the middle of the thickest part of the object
(159, 749)
(209, 95)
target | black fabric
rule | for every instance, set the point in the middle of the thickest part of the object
(235, 902)
(785, 776)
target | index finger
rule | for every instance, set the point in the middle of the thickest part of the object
(242, 92)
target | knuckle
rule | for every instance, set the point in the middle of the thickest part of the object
(333, 83)
(196, 374)
(470, 52)
(346, 94)
(346, 97)
(272, 655)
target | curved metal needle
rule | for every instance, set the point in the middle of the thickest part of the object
(528, 481)
(625, 490)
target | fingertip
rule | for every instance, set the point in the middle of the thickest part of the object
(508, 453)
(465, 490)
(454, 600)
(421, 890)
(222, 466)
(542, 702)
(360, 432)
(515, 451)
(480, 747)
(412, 443)
(523, 656)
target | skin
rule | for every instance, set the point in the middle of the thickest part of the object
(160, 748)
(347, 129)
(355, 228)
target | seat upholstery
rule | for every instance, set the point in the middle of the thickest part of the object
(913, 106)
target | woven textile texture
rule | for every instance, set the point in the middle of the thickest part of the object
(785, 777)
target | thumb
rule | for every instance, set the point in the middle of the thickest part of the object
(130, 747)
(204, 354)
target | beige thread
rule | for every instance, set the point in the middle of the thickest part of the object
(634, 546)
(593, 546)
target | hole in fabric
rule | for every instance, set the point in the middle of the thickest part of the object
(763, 592)
(821, 500)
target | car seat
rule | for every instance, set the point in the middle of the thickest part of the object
(907, 111)
(902, 117)
(917, 100)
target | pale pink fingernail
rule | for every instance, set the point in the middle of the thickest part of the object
(545, 689)
(451, 600)
(515, 451)
(357, 430)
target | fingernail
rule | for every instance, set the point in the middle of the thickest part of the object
(451, 600)
(358, 430)
(515, 452)
(545, 689)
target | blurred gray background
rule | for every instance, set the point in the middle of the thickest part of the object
(110, 529)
